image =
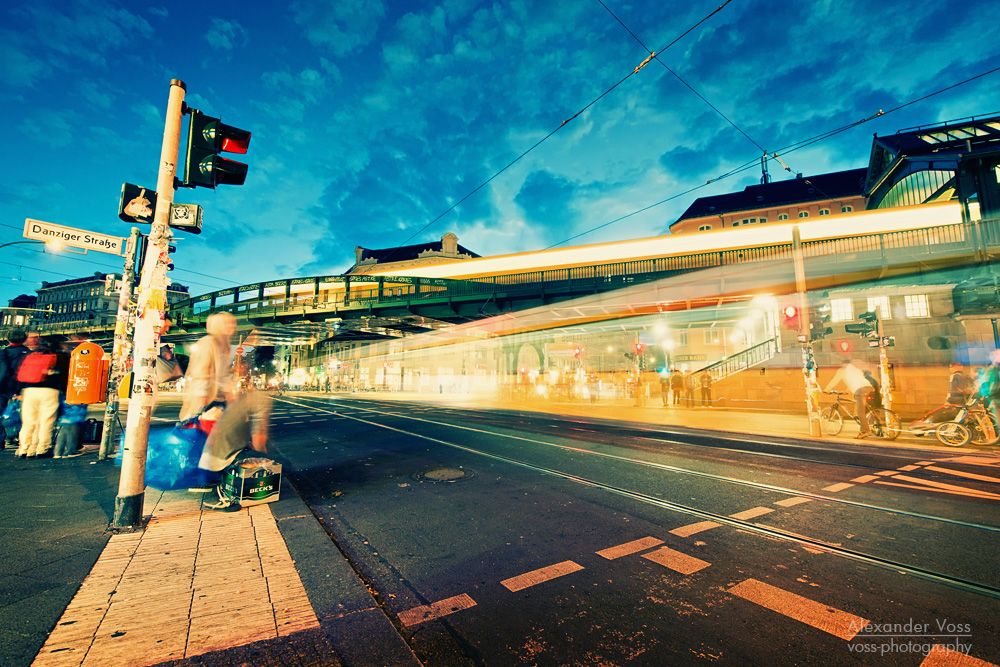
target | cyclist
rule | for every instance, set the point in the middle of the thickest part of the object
(959, 385)
(856, 382)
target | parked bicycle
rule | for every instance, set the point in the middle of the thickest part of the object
(974, 422)
(882, 423)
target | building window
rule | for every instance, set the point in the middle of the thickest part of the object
(824, 211)
(782, 216)
(803, 214)
(713, 336)
(762, 220)
(682, 338)
(916, 305)
(846, 209)
(841, 310)
(705, 228)
(880, 304)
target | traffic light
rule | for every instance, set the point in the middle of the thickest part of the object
(790, 317)
(845, 346)
(207, 137)
(868, 327)
(577, 352)
(639, 349)
(818, 318)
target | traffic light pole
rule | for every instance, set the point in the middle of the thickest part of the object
(123, 334)
(805, 338)
(150, 309)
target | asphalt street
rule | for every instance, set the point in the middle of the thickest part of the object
(514, 538)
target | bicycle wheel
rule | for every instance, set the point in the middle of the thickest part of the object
(832, 421)
(883, 423)
(954, 434)
(984, 429)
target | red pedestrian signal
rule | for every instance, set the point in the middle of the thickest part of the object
(844, 346)
(207, 137)
(639, 348)
(790, 317)
(577, 352)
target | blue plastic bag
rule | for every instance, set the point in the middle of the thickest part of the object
(71, 413)
(12, 417)
(172, 458)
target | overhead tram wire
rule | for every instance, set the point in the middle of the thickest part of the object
(791, 148)
(679, 78)
(510, 164)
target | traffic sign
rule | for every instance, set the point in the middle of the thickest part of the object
(73, 238)
(136, 204)
(239, 350)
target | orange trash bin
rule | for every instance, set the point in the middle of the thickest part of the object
(88, 375)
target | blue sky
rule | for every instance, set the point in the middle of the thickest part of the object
(371, 118)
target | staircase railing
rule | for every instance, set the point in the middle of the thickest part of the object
(752, 356)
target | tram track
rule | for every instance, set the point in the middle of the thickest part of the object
(928, 574)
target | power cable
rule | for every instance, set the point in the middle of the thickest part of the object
(510, 164)
(678, 77)
(791, 148)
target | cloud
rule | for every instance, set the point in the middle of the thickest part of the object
(20, 67)
(54, 129)
(226, 35)
(159, 12)
(343, 26)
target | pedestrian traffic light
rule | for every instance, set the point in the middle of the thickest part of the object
(639, 349)
(845, 346)
(790, 317)
(577, 352)
(207, 137)
(818, 318)
(868, 327)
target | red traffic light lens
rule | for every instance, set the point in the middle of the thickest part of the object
(844, 346)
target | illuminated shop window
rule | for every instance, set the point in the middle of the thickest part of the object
(880, 304)
(841, 310)
(916, 305)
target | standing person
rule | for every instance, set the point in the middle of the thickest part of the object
(677, 385)
(42, 376)
(665, 387)
(10, 361)
(959, 385)
(689, 384)
(990, 385)
(706, 388)
(856, 382)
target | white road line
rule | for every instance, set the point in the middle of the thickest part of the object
(424, 613)
(676, 561)
(691, 529)
(629, 548)
(791, 502)
(838, 487)
(751, 513)
(837, 623)
(942, 656)
(540, 576)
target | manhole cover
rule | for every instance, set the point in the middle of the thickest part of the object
(444, 475)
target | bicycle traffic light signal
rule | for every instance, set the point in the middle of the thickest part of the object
(868, 327)
(818, 318)
(207, 137)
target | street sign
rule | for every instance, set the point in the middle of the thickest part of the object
(136, 204)
(186, 217)
(73, 238)
(239, 350)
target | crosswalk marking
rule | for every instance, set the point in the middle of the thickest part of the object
(425, 613)
(691, 529)
(540, 576)
(628, 548)
(751, 513)
(676, 561)
(833, 621)
(942, 656)
(791, 502)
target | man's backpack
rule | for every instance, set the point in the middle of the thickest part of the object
(37, 367)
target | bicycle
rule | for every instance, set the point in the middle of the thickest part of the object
(882, 423)
(974, 423)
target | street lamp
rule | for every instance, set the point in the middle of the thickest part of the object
(53, 245)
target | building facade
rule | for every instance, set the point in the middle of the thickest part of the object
(409, 256)
(778, 201)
